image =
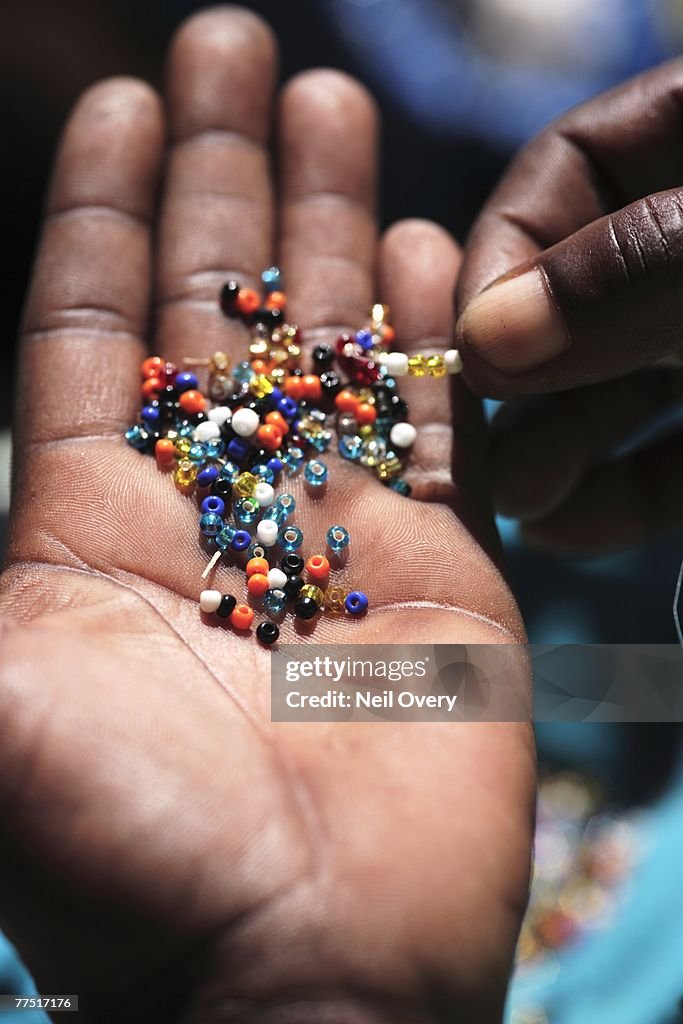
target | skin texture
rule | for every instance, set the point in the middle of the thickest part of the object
(595, 202)
(165, 850)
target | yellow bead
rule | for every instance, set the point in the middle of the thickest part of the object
(182, 445)
(367, 430)
(436, 366)
(245, 485)
(294, 352)
(315, 593)
(334, 599)
(277, 376)
(185, 475)
(417, 366)
(260, 386)
(220, 363)
(389, 468)
(367, 396)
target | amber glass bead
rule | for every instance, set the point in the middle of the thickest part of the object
(318, 567)
(219, 363)
(417, 366)
(182, 445)
(315, 593)
(334, 600)
(245, 485)
(185, 475)
(257, 584)
(242, 616)
(436, 366)
(389, 468)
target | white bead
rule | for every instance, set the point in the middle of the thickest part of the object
(277, 579)
(245, 422)
(264, 494)
(403, 435)
(220, 415)
(206, 431)
(266, 532)
(397, 364)
(452, 360)
(209, 600)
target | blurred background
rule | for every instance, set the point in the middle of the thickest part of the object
(462, 84)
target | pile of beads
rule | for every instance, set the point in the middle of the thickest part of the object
(265, 420)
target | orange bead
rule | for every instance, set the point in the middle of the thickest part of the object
(257, 584)
(269, 436)
(192, 401)
(152, 366)
(365, 413)
(164, 451)
(278, 420)
(312, 387)
(151, 387)
(276, 300)
(294, 388)
(257, 565)
(248, 301)
(346, 401)
(388, 334)
(242, 616)
(318, 567)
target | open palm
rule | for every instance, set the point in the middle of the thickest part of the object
(168, 852)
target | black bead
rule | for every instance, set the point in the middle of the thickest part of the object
(227, 606)
(305, 608)
(292, 564)
(399, 407)
(267, 632)
(330, 382)
(228, 298)
(293, 586)
(168, 394)
(222, 488)
(323, 355)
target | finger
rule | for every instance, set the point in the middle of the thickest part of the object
(87, 306)
(618, 504)
(543, 447)
(588, 226)
(217, 212)
(328, 153)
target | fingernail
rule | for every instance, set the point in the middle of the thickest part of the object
(514, 325)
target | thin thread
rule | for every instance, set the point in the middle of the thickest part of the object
(677, 600)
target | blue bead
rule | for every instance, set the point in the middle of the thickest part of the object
(272, 279)
(290, 538)
(293, 461)
(356, 602)
(207, 476)
(230, 471)
(137, 437)
(243, 372)
(316, 472)
(275, 396)
(321, 441)
(246, 511)
(401, 487)
(213, 504)
(186, 382)
(350, 446)
(263, 472)
(150, 414)
(338, 538)
(276, 465)
(275, 514)
(275, 602)
(211, 524)
(186, 430)
(255, 550)
(238, 449)
(197, 452)
(241, 540)
(286, 502)
(214, 448)
(224, 538)
(288, 408)
(364, 339)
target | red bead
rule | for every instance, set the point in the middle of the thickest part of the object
(192, 402)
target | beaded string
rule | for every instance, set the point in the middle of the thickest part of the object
(267, 419)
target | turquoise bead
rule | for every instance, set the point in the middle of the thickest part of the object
(401, 487)
(137, 437)
(211, 524)
(256, 550)
(275, 514)
(321, 442)
(286, 502)
(197, 452)
(243, 373)
(264, 473)
(350, 446)
(186, 431)
(338, 538)
(316, 472)
(246, 511)
(224, 538)
(293, 461)
(230, 471)
(214, 448)
(275, 601)
(290, 538)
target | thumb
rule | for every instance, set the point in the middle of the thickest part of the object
(605, 300)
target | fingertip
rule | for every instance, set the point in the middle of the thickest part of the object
(424, 240)
(327, 92)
